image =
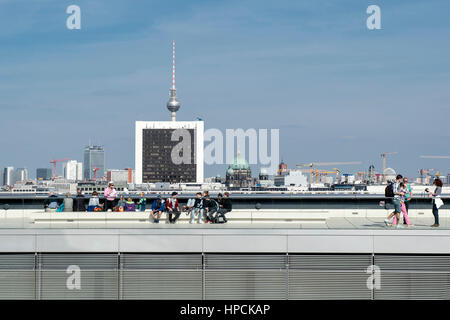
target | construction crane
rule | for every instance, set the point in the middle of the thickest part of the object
(54, 161)
(95, 173)
(384, 155)
(435, 157)
(324, 164)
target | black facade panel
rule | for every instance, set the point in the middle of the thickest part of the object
(157, 164)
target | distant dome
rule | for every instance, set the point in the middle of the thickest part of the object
(239, 163)
(230, 171)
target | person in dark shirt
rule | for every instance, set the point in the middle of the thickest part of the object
(210, 207)
(52, 202)
(79, 202)
(225, 205)
(436, 196)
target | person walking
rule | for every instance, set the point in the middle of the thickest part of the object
(395, 201)
(110, 194)
(436, 196)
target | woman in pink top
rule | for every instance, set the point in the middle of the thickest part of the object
(403, 189)
(110, 195)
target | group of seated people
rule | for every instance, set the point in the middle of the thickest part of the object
(80, 203)
(201, 207)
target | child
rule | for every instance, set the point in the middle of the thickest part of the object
(142, 202)
(121, 203)
(130, 205)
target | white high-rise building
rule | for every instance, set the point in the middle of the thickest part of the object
(73, 170)
(79, 171)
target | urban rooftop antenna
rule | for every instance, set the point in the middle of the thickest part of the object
(173, 104)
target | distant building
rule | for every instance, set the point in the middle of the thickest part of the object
(371, 177)
(282, 168)
(73, 170)
(156, 143)
(20, 174)
(239, 174)
(291, 178)
(94, 157)
(263, 175)
(8, 178)
(44, 174)
(116, 175)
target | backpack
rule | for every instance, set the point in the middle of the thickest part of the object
(389, 191)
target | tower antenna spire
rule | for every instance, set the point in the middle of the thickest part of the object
(173, 64)
(173, 104)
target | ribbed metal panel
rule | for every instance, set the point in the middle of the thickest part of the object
(328, 285)
(245, 284)
(17, 276)
(162, 284)
(161, 261)
(245, 261)
(98, 272)
(161, 276)
(91, 261)
(336, 262)
(413, 277)
(413, 262)
(99, 284)
(329, 276)
(412, 285)
(245, 276)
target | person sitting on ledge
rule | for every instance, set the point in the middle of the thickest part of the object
(52, 202)
(79, 203)
(68, 203)
(94, 203)
(130, 206)
(142, 202)
(173, 208)
(121, 204)
(157, 209)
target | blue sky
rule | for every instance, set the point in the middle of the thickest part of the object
(336, 90)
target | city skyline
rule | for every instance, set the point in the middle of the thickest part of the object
(343, 88)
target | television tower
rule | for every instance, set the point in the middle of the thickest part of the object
(173, 104)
